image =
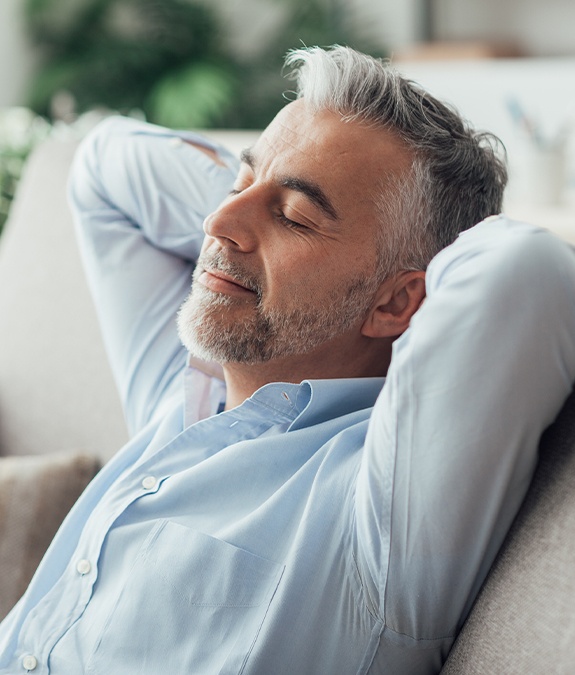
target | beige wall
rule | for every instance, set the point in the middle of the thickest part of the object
(541, 27)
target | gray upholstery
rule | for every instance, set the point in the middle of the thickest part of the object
(36, 493)
(524, 619)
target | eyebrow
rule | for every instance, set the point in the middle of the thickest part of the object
(311, 190)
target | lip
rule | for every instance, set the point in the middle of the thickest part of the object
(222, 283)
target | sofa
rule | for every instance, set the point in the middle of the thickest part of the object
(60, 419)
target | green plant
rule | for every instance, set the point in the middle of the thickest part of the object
(169, 59)
(126, 54)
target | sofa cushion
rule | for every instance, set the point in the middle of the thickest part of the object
(523, 620)
(36, 493)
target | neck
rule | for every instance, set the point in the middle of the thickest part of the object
(324, 363)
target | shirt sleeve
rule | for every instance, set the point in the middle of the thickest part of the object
(452, 442)
(139, 195)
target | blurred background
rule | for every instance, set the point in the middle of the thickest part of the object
(508, 65)
(182, 63)
(217, 62)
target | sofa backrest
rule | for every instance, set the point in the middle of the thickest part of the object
(56, 389)
(523, 621)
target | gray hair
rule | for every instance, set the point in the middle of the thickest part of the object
(457, 178)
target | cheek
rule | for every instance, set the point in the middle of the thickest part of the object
(296, 260)
(301, 273)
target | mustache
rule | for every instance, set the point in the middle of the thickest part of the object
(218, 262)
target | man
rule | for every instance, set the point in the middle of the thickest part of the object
(294, 512)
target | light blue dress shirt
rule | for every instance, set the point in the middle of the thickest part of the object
(327, 527)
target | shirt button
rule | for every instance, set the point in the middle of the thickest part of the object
(29, 662)
(83, 566)
(149, 482)
(176, 142)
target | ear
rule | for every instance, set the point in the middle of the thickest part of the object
(398, 298)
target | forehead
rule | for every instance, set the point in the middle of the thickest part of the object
(349, 159)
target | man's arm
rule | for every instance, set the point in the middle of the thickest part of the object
(139, 197)
(452, 444)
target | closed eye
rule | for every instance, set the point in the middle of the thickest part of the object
(290, 223)
(284, 220)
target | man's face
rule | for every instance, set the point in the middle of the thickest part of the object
(290, 257)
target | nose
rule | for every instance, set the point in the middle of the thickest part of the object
(232, 223)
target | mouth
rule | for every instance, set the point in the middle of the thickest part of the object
(219, 282)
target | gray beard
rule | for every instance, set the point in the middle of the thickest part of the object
(266, 334)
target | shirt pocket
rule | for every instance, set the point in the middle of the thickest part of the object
(191, 604)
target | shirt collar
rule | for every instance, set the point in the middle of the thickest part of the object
(328, 399)
(301, 405)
